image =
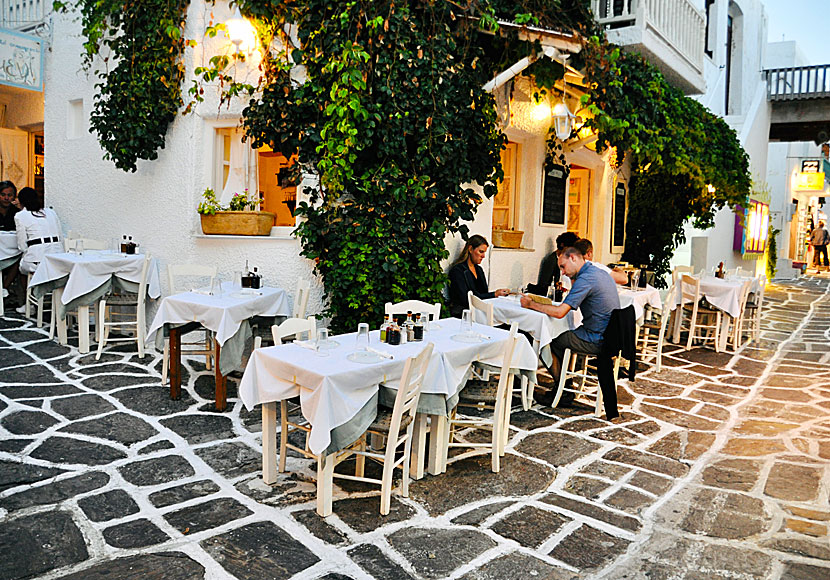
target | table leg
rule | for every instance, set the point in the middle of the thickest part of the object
(174, 341)
(83, 329)
(325, 479)
(221, 381)
(724, 331)
(419, 444)
(57, 296)
(269, 442)
(438, 441)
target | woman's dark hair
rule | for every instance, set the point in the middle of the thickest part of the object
(472, 243)
(29, 199)
(566, 240)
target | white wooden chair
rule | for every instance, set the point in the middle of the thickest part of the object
(88, 244)
(103, 322)
(751, 322)
(736, 336)
(395, 427)
(413, 306)
(300, 299)
(476, 304)
(744, 273)
(700, 318)
(679, 271)
(492, 396)
(181, 278)
(650, 345)
(290, 327)
(32, 302)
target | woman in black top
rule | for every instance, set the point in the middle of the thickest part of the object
(467, 274)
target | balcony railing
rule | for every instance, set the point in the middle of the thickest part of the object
(792, 84)
(24, 15)
(677, 22)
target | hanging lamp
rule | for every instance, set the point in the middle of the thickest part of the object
(563, 119)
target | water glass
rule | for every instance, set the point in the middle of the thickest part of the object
(322, 342)
(363, 336)
(79, 247)
(466, 322)
(237, 279)
(635, 279)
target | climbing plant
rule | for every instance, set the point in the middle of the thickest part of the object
(135, 50)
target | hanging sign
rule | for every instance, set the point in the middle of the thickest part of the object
(809, 181)
(553, 195)
(21, 60)
(618, 219)
(810, 166)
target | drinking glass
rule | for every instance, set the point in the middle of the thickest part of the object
(425, 321)
(215, 286)
(322, 342)
(363, 336)
(635, 279)
(237, 279)
(466, 322)
(79, 247)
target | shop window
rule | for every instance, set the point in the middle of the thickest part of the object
(506, 201)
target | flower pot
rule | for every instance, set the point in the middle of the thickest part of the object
(507, 238)
(238, 223)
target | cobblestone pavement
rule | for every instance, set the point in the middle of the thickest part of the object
(720, 469)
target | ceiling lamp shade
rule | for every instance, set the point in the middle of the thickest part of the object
(563, 121)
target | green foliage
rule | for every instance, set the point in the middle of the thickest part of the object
(239, 202)
(140, 96)
(392, 120)
(772, 252)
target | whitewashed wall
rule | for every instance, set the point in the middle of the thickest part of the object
(157, 203)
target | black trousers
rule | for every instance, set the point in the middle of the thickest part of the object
(818, 252)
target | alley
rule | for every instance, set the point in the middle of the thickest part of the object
(721, 469)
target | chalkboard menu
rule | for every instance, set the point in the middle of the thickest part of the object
(553, 195)
(618, 227)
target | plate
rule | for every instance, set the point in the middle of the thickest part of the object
(364, 357)
(468, 338)
(329, 345)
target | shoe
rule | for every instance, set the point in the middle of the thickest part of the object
(565, 400)
(20, 310)
(5, 293)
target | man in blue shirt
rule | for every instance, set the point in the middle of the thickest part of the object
(594, 292)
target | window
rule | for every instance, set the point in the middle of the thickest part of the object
(710, 28)
(506, 202)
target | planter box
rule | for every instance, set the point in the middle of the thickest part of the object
(238, 223)
(507, 238)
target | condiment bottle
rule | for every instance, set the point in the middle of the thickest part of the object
(418, 329)
(393, 333)
(255, 280)
(124, 244)
(384, 327)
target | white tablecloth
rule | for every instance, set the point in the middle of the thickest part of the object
(8, 246)
(333, 389)
(640, 298)
(222, 313)
(93, 269)
(542, 327)
(723, 294)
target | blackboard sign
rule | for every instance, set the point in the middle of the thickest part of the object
(618, 225)
(553, 195)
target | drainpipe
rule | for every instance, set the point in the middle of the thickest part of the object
(500, 79)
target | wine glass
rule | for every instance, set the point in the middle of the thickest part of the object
(466, 322)
(363, 336)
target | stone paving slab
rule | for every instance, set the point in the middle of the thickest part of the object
(719, 468)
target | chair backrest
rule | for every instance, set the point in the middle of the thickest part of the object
(89, 244)
(179, 274)
(678, 270)
(745, 291)
(759, 296)
(668, 303)
(477, 304)
(300, 299)
(294, 327)
(730, 271)
(142, 287)
(689, 289)
(413, 306)
(744, 273)
(409, 389)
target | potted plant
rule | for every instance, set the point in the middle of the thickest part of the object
(240, 218)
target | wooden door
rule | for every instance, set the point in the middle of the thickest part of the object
(505, 201)
(578, 201)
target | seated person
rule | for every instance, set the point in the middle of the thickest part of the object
(467, 274)
(549, 268)
(585, 246)
(38, 230)
(595, 294)
(8, 197)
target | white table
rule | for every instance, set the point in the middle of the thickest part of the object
(543, 328)
(724, 294)
(226, 313)
(339, 397)
(640, 298)
(8, 249)
(76, 281)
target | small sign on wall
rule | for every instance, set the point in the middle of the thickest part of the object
(618, 214)
(21, 60)
(553, 195)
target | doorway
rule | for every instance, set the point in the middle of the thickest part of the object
(578, 200)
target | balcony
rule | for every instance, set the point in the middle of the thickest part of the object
(24, 15)
(669, 33)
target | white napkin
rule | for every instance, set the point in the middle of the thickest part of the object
(379, 352)
(309, 344)
(202, 291)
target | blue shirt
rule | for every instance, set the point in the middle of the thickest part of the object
(594, 292)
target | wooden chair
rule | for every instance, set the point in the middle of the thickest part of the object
(32, 302)
(88, 244)
(395, 426)
(653, 332)
(492, 396)
(181, 278)
(479, 305)
(736, 336)
(744, 273)
(751, 322)
(700, 325)
(103, 322)
(290, 327)
(300, 299)
(679, 271)
(413, 306)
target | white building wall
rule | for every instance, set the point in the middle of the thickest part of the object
(156, 204)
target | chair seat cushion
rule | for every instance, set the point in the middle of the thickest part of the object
(479, 391)
(383, 421)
